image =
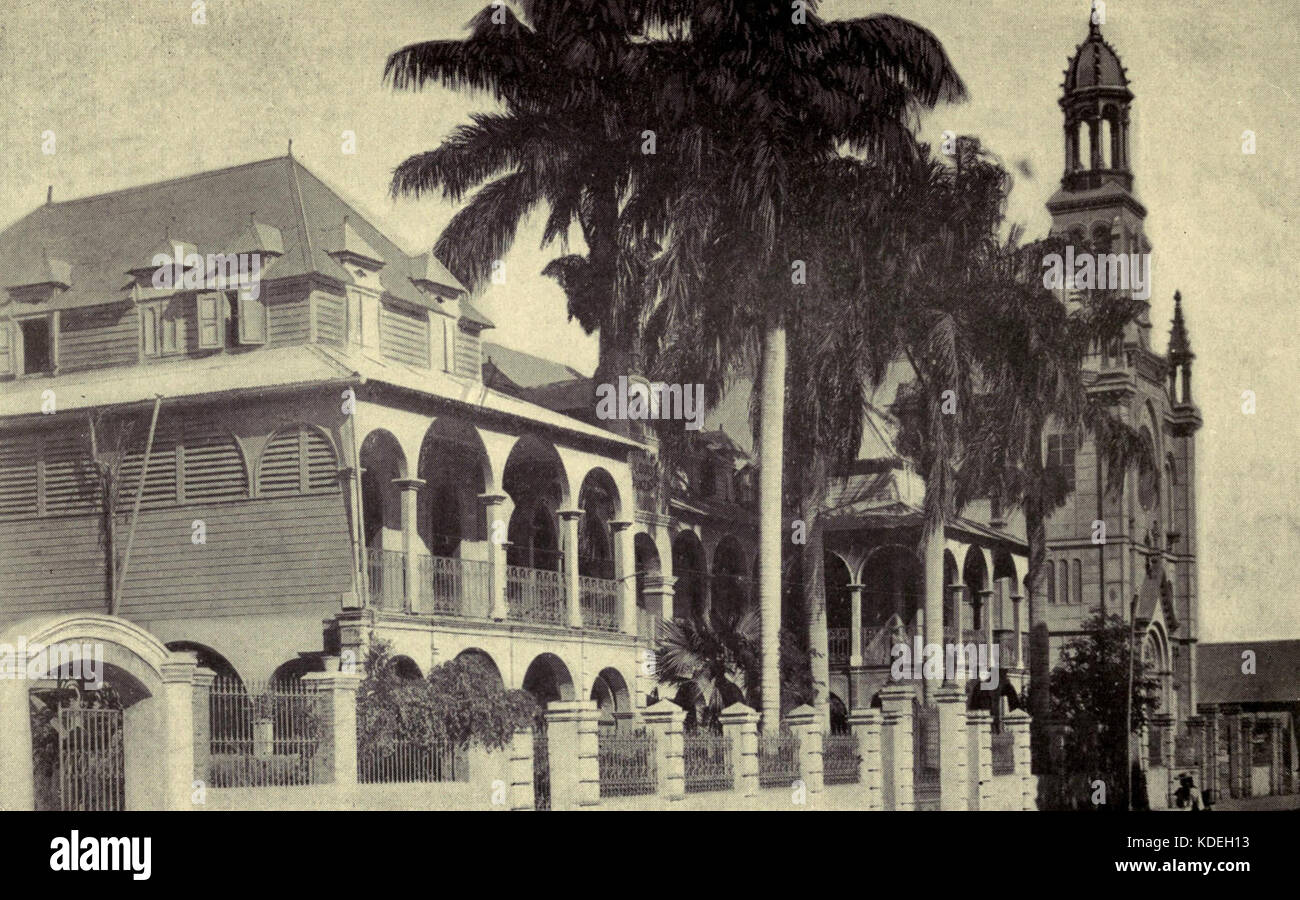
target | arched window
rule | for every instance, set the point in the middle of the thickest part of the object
(297, 460)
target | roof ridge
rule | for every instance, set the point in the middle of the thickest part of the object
(193, 176)
(307, 253)
(354, 208)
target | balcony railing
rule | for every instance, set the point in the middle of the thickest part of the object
(599, 598)
(454, 587)
(387, 571)
(535, 595)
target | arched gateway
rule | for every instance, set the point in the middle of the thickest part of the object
(124, 744)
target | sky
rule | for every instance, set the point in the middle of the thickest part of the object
(135, 91)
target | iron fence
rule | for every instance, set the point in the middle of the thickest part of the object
(778, 759)
(91, 760)
(1004, 753)
(535, 595)
(599, 598)
(707, 761)
(626, 763)
(412, 762)
(387, 579)
(454, 587)
(840, 759)
(837, 644)
(262, 735)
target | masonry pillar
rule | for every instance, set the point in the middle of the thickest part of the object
(806, 722)
(658, 592)
(336, 749)
(855, 625)
(201, 708)
(979, 758)
(494, 517)
(572, 596)
(951, 701)
(1017, 722)
(415, 590)
(17, 786)
(521, 769)
(625, 574)
(1233, 722)
(178, 729)
(896, 746)
(740, 725)
(865, 726)
(574, 753)
(664, 720)
(1210, 753)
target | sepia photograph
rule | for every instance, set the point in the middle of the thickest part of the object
(683, 406)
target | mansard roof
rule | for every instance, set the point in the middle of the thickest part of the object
(293, 213)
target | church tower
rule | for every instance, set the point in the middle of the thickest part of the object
(1143, 568)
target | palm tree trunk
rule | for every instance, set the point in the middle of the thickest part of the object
(814, 593)
(1039, 641)
(771, 429)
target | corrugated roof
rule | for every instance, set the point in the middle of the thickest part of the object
(524, 370)
(1276, 676)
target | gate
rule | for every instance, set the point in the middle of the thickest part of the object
(541, 769)
(90, 765)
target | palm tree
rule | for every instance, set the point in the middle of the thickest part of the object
(573, 79)
(770, 95)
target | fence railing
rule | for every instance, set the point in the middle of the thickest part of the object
(535, 595)
(840, 759)
(454, 587)
(599, 598)
(706, 756)
(778, 759)
(837, 644)
(1004, 756)
(262, 735)
(626, 762)
(411, 762)
(387, 579)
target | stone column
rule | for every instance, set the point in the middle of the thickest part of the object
(986, 616)
(1016, 624)
(979, 758)
(896, 746)
(178, 729)
(17, 785)
(336, 710)
(625, 575)
(806, 722)
(521, 770)
(855, 625)
(410, 488)
(740, 725)
(1017, 722)
(865, 725)
(572, 597)
(951, 701)
(664, 720)
(494, 518)
(571, 737)
(658, 592)
(959, 611)
(201, 707)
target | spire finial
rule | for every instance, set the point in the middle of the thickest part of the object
(49, 194)
(1180, 347)
(291, 148)
(1095, 18)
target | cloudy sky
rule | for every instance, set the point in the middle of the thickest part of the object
(135, 92)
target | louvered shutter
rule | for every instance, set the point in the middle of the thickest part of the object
(6, 349)
(209, 315)
(252, 319)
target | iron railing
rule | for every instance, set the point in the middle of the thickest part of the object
(454, 587)
(91, 760)
(837, 644)
(535, 595)
(387, 579)
(707, 761)
(626, 763)
(840, 759)
(599, 599)
(778, 759)
(1004, 753)
(411, 762)
(262, 735)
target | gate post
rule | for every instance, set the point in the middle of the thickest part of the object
(202, 716)
(521, 769)
(865, 724)
(573, 749)
(664, 721)
(979, 757)
(336, 748)
(952, 748)
(806, 722)
(178, 734)
(896, 746)
(17, 788)
(1017, 722)
(740, 724)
